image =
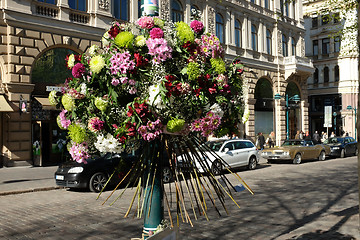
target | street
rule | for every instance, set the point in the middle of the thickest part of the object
(313, 200)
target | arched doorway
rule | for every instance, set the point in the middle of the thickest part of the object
(264, 107)
(294, 109)
(49, 73)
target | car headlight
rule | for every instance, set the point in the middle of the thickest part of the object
(286, 153)
(76, 170)
(336, 148)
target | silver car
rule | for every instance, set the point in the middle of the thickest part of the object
(234, 152)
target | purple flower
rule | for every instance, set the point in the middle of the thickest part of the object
(197, 26)
(78, 70)
(156, 33)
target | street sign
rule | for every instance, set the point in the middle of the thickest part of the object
(328, 116)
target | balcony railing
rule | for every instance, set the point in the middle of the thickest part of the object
(79, 17)
(47, 10)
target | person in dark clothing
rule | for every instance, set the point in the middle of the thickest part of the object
(307, 135)
(316, 137)
(261, 140)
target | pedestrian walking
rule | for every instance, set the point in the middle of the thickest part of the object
(261, 140)
(307, 136)
(323, 136)
(270, 141)
(332, 134)
(316, 137)
(297, 135)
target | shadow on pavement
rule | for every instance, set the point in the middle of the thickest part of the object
(324, 235)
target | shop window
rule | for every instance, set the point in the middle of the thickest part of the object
(121, 9)
(176, 11)
(78, 5)
(220, 28)
(253, 38)
(237, 33)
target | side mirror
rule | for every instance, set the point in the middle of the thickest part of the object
(226, 150)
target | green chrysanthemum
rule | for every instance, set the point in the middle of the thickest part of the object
(218, 64)
(140, 41)
(68, 102)
(77, 133)
(58, 121)
(193, 70)
(184, 32)
(101, 104)
(52, 98)
(158, 22)
(175, 125)
(97, 63)
(124, 39)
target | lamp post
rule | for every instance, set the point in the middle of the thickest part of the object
(295, 98)
(349, 107)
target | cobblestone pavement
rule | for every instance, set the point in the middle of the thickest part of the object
(313, 200)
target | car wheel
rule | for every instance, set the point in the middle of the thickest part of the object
(167, 175)
(216, 167)
(97, 182)
(252, 163)
(297, 159)
(342, 153)
(322, 156)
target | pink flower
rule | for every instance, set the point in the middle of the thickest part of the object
(65, 123)
(197, 26)
(78, 70)
(115, 81)
(132, 82)
(95, 124)
(124, 80)
(146, 22)
(79, 152)
(132, 90)
(156, 33)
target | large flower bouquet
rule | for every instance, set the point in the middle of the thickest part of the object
(151, 81)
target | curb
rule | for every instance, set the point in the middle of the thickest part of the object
(30, 190)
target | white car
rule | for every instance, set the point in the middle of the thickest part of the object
(234, 152)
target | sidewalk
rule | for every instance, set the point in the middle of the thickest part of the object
(15, 180)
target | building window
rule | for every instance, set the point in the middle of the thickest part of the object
(337, 44)
(220, 28)
(316, 76)
(314, 22)
(78, 5)
(120, 9)
(48, 1)
(326, 74)
(337, 73)
(253, 38)
(315, 47)
(336, 17)
(325, 19)
(237, 33)
(285, 46)
(282, 7)
(325, 46)
(286, 6)
(266, 4)
(194, 11)
(293, 47)
(294, 9)
(176, 11)
(268, 41)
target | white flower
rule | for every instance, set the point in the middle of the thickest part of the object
(154, 96)
(105, 38)
(246, 115)
(108, 144)
(93, 50)
(71, 61)
(83, 88)
(216, 109)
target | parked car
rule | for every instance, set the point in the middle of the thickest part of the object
(297, 150)
(235, 153)
(94, 174)
(342, 146)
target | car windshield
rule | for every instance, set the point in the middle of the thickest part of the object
(334, 140)
(292, 143)
(215, 146)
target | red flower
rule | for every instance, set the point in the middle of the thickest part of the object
(114, 31)
(197, 91)
(130, 112)
(212, 90)
(140, 60)
(122, 139)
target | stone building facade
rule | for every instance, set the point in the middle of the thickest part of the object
(267, 35)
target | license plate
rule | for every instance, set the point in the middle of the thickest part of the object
(273, 157)
(59, 177)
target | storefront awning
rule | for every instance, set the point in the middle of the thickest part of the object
(45, 103)
(4, 105)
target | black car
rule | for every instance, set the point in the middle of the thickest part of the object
(94, 174)
(342, 146)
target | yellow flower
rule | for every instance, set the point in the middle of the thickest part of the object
(211, 42)
(71, 61)
(96, 64)
(205, 49)
(140, 41)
